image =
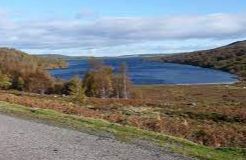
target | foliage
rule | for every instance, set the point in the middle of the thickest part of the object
(5, 81)
(231, 58)
(101, 82)
(75, 88)
(121, 83)
(10, 54)
(27, 72)
(98, 83)
(18, 83)
(211, 115)
(124, 133)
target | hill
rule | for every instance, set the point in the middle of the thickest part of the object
(62, 57)
(10, 54)
(24, 72)
(230, 58)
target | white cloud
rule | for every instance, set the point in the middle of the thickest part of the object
(105, 32)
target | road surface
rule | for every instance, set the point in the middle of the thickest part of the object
(27, 140)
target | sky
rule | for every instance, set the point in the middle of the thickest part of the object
(120, 27)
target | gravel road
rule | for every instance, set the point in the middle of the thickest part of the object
(27, 140)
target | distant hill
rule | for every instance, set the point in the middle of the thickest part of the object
(139, 55)
(13, 55)
(57, 56)
(63, 57)
(230, 58)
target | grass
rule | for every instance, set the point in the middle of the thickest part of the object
(121, 132)
(211, 115)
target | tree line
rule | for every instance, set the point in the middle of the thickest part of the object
(24, 72)
(100, 81)
(20, 71)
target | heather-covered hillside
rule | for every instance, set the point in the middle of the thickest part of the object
(231, 58)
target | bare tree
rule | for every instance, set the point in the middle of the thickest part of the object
(125, 81)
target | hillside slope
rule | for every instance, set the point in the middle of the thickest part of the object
(24, 72)
(62, 57)
(9, 54)
(230, 58)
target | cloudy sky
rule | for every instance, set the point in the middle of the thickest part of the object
(120, 27)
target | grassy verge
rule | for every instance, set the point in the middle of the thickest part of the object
(124, 132)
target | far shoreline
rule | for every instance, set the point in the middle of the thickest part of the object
(190, 84)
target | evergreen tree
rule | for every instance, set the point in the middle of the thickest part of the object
(5, 81)
(75, 89)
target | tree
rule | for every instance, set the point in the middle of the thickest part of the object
(38, 81)
(75, 88)
(98, 83)
(18, 83)
(117, 86)
(95, 64)
(125, 83)
(27, 72)
(89, 84)
(98, 80)
(5, 81)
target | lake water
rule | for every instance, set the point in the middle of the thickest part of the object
(149, 72)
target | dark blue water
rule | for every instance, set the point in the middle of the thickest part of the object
(148, 72)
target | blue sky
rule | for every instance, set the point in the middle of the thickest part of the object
(118, 27)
